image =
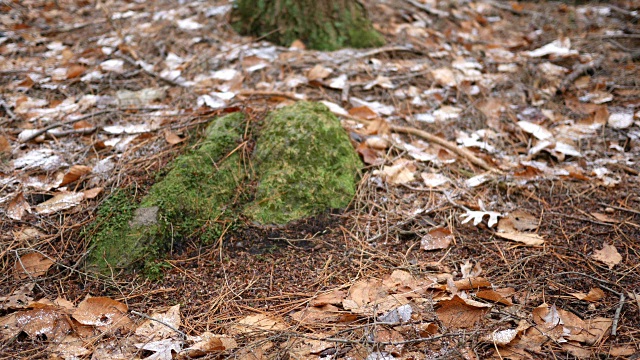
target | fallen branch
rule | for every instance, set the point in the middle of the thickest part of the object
(616, 318)
(63, 123)
(376, 52)
(428, 9)
(460, 151)
(577, 72)
(287, 95)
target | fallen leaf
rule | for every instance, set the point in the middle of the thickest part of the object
(468, 269)
(172, 138)
(92, 193)
(524, 238)
(60, 202)
(438, 238)
(74, 173)
(5, 148)
(17, 207)
(75, 70)
(208, 343)
(501, 296)
(477, 216)
(318, 72)
(604, 218)
(18, 299)
(152, 330)
(258, 322)
(163, 349)
(595, 294)
(104, 313)
(335, 297)
(32, 265)
(363, 112)
(434, 180)
(608, 255)
(461, 313)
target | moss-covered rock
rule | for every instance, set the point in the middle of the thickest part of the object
(321, 25)
(194, 193)
(304, 164)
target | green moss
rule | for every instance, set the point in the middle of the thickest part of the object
(193, 197)
(318, 24)
(305, 164)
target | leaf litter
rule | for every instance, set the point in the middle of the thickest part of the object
(461, 156)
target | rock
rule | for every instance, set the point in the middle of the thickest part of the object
(304, 165)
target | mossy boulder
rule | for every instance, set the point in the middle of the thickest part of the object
(303, 165)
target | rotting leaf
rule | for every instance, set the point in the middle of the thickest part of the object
(608, 255)
(32, 265)
(19, 299)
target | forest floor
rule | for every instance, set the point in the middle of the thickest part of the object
(498, 216)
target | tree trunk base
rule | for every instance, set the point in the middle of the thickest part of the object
(321, 25)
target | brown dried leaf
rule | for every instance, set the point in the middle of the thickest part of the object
(608, 255)
(318, 72)
(208, 343)
(335, 297)
(438, 238)
(75, 173)
(17, 207)
(172, 138)
(497, 296)
(82, 124)
(595, 294)
(153, 330)
(363, 112)
(59, 202)
(44, 322)
(525, 238)
(258, 322)
(461, 313)
(75, 70)
(5, 148)
(31, 265)
(92, 193)
(19, 299)
(604, 218)
(104, 313)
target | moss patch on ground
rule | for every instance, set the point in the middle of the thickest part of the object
(304, 165)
